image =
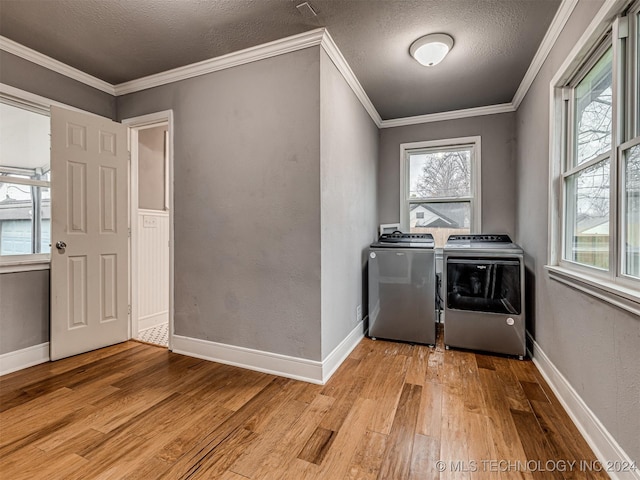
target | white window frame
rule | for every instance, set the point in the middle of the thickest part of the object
(475, 197)
(609, 285)
(39, 104)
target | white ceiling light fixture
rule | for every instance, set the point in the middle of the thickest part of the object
(431, 49)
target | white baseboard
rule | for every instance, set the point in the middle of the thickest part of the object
(311, 371)
(604, 446)
(261, 361)
(339, 354)
(27, 357)
(154, 320)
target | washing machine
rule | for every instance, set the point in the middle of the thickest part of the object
(484, 294)
(402, 288)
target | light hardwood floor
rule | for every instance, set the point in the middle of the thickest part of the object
(392, 411)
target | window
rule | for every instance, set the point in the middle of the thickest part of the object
(440, 187)
(25, 201)
(587, 176)
(595, 166)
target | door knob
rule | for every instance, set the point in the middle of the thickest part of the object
(61, 245)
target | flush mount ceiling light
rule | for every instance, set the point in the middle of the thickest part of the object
(431, 49)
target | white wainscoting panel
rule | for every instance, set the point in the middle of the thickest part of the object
(153, 268)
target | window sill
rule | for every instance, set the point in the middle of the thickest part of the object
(620, 296)
(29, 264)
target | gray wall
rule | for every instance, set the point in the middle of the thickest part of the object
(498, 165)
(24, 297)
(151, 163)
(24, 310)
(22, 74)
(593, 344)
(247, 202)
(349, 157)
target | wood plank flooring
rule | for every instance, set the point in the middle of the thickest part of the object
(392, 411)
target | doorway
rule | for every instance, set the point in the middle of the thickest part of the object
(151, 231)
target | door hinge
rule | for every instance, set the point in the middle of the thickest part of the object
(129, 232)
(129, 309)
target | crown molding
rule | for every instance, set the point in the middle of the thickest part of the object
(319, 36)
(451, 115)
(234, 59)
(343, 67)
(553, 32)
(38, 58)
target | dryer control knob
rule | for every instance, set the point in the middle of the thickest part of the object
(510, 321)
(372, 254)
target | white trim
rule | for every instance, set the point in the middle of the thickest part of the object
(339, 354)
(612, 289)
(38, 101)
(603, 444)
(610, 292)
(30, 262)
(321, 36)
(557, 24)
(25, 181)
(311, 371)
(27, 265)
(234, 59)
(25, 358)
(260, 361)
(148, 121)
(155, 213)
(152, 320)
(554, 211)
(38, 58)
(451, 115)
(343, 67)
(596, 28)
(139, 123)
(476, 176)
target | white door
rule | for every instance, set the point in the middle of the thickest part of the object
(89, 233)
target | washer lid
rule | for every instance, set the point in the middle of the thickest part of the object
(399, 239)
(489, 243)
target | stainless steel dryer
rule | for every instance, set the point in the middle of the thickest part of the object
(483, 281)
(402, 288)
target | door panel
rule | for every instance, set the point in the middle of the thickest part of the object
(89, 275)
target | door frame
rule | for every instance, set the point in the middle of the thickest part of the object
(136, 124)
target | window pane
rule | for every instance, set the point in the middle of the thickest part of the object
(24, 153)
(593, 111)
(631, 196)
(20, 234)
(587, 212)
(24, 139)
(440, 219)
(440, 174)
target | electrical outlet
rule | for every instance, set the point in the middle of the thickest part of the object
(358, 313)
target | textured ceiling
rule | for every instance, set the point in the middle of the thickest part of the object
(121, 40)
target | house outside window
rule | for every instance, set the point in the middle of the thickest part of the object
(595, 165)
(25, 201)
(440, 187)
